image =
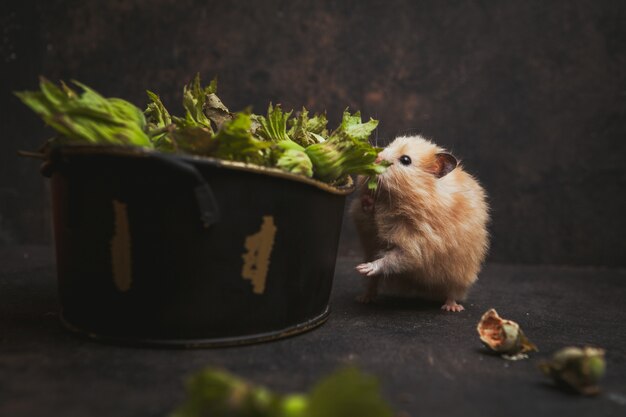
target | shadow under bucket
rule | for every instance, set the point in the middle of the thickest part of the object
(188, 252)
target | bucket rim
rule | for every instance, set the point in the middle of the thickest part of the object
(138, 152)
(201, 343)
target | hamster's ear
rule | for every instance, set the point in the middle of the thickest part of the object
(444, 164)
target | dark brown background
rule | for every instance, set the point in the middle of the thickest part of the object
(530, 94)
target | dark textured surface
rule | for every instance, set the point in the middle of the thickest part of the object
(531, 95)
(429, 362)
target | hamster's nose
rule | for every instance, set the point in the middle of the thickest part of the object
(380, 158)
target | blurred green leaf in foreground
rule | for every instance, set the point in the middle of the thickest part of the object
(346, 393)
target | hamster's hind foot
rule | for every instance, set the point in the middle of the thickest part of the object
(452, 305)
(370, 292)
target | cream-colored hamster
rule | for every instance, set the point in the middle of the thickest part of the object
(424, 230)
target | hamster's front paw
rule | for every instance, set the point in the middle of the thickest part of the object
(368, 269)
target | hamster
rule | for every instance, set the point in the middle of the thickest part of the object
(424, 229)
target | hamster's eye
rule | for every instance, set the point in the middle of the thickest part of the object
(405, 160)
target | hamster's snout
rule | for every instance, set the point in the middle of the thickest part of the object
(380, 158)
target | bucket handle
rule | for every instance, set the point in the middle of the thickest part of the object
(207, 205)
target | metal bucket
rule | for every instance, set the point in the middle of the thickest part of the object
(187, 251)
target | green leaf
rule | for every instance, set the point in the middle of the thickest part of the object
(194, 98)
(87, 117)
(220, 394)
(289, 144)
(294, 405)
(317, 125)
(352, 127)
(334, 160)
(123, 110)
(348, 393)
(274, 126)
(89, 98)
(347, 152)
(159, 123)
(327, 161)
(68, 91)
(55, 95)
(235, 142)
(307, 131)
(156, 114)
(296, 162)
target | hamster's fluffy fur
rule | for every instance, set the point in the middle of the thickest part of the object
(424, 229)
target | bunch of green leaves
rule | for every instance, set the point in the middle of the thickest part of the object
(194, 98)
(157, 116)
(274, 126)
(235, 142)
(192, 133)
(347, 151)
(308, 131)
(159, 123)
(87, 117)
(220, 394)
(297, 144)
(347, 393)
(286, 154)
(208, 128)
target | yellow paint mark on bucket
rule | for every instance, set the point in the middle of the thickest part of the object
(120, 248)
(256, 259)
